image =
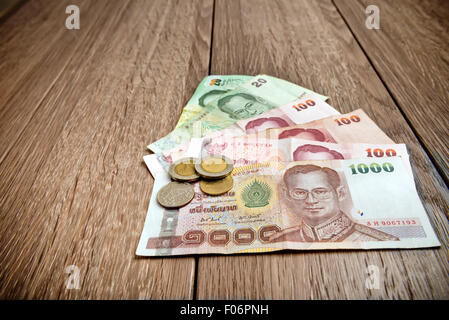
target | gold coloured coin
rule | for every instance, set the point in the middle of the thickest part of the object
(184, 170)
(217, 187)
(175, 194)
(214, 167)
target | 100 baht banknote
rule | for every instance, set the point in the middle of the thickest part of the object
(361, 129)
(256, 96)
(361, 203)
(246, 150)
(308, 108)
(355, 126)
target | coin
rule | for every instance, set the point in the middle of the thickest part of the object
(175, 194)
(214, 167)
(184, 170)
(217, 187)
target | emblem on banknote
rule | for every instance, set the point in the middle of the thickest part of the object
(257, 194)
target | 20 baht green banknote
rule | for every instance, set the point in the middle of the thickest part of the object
(256, 96)
(210, 88)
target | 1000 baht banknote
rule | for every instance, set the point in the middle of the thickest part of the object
(361, 203)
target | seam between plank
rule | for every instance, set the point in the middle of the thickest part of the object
(398, 106)
(195, 281)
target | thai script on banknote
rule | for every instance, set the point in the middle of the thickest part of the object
(314, 204)
(304, 176)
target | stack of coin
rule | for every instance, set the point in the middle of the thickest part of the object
(214, 167)
(217, 187)
(214, 173)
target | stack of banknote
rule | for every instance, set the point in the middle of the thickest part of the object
(302, 176)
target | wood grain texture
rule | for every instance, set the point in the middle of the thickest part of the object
(35, 49)
(77, 109)
(410, 52)
(74, 189)
(307, 42)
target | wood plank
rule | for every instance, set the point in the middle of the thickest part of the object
(410, 52)
(75, 190)
(307, 42)
(7, 7)
(36, 46)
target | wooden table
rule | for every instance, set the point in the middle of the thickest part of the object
(78, 107)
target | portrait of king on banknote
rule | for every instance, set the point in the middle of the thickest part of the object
(316, 194)
(262, 124)
(242, 105)
(315, 152)
(307, 134)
